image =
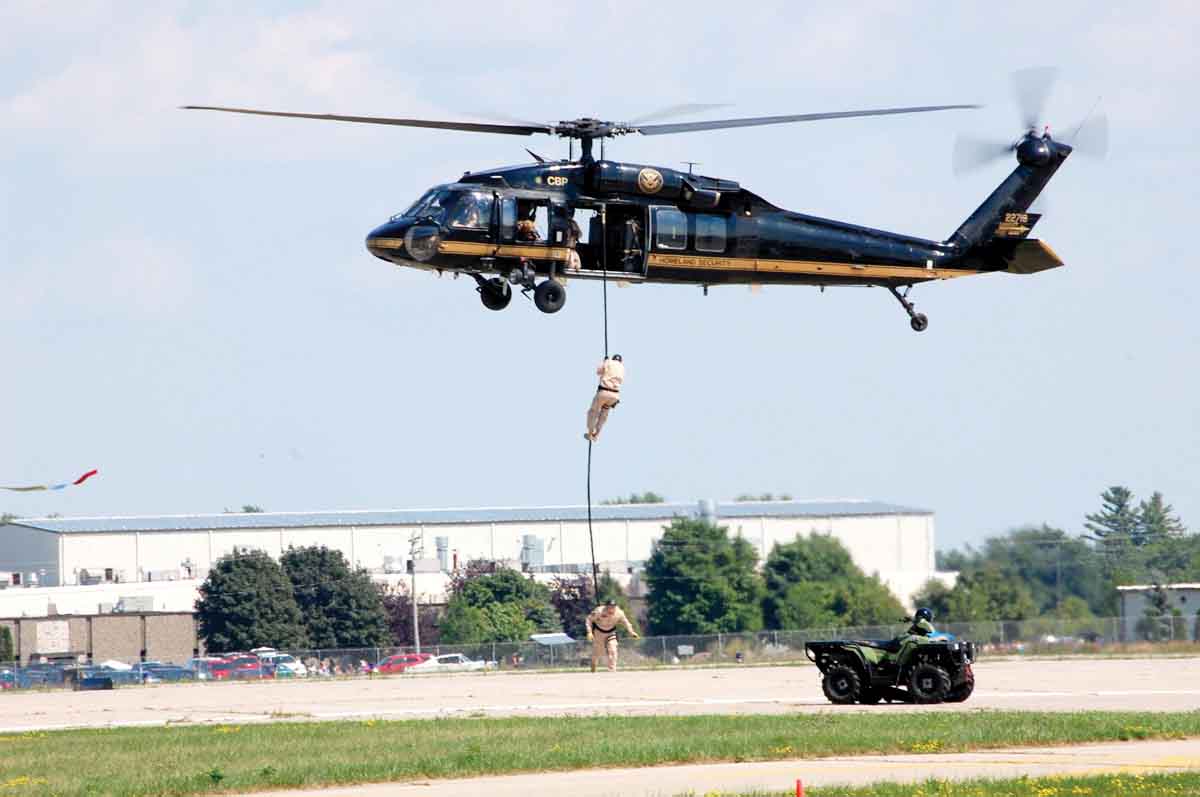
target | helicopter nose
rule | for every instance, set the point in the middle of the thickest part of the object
(386, 241)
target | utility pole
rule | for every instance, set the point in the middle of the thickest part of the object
(416, 547)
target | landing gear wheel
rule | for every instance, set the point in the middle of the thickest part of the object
(495, 293)
(928, 683)
(550, 296)
(917, 321)
(841, 685)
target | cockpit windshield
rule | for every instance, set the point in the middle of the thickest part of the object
(432, 203)
(463, 209)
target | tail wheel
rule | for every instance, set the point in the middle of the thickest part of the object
(928, 683)
(841, 684)
(961, 692)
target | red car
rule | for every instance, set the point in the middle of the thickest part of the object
(402, 661)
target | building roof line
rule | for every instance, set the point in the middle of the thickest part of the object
(465, 516)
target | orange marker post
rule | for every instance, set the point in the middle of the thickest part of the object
(799, 788)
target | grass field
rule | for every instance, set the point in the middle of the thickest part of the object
(1160, 785)
(193, 760)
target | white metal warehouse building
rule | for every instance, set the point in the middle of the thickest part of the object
(120, 554)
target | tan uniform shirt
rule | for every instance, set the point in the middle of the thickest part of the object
(602, 621)
(612, 374)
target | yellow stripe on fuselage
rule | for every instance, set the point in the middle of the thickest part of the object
(813, 267)
(471, 248)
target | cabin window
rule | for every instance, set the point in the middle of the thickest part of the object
(508, 218)
(670, 229)
(710, 233)
(473, 212)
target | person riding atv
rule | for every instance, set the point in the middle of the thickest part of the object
(919, 666)
(922, 623)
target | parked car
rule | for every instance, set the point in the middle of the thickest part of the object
(402, 661)
(284, 665)
(221, 670)
(44, 674)
(120, 676)
(156, 671)
(202, 667)
(451, 662)
(248, 666)
(8, 679)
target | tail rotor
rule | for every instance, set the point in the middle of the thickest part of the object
(1031, 90)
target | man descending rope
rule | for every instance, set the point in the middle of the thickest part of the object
(602, 632)
(608, 395)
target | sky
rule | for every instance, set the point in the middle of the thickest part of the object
(186, 302)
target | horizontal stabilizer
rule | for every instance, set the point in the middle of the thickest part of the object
(1031, 256)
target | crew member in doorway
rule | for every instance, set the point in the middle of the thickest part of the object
(608, 395)
(602, 632)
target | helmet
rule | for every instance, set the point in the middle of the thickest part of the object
(617, 357)
(924, 614)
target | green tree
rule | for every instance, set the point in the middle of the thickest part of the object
(245, 602)
(1159, 620)
(1117, 523)
(812, 581)
(465, 624)
(7, 653)
(340, 607)
(7, 517)
(989, 594)
(935, 596)
(397, 606)
(1051, 563)
(1157, 520)
(702, 582)
(487, 585)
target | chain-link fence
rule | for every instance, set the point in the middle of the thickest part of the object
(1042, 636)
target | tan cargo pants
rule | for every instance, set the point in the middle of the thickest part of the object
(604, 401)
(604, 644)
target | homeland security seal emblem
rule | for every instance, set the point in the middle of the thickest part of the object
(650, 181)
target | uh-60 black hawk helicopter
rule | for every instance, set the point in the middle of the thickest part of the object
(653, 224)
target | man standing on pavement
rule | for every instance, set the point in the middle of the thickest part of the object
(602, 632)
(608, 395)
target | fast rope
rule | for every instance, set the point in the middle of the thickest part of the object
(604, 289)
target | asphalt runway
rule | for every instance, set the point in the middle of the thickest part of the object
(1146, 684)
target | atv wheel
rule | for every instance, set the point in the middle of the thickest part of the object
(961, 692)
(841, 684)
(928, 683)
(869, 697)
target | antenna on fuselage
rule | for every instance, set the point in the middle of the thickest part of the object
(690, 164)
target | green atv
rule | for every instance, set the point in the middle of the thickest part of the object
(907, 669)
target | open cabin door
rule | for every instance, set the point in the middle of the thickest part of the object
(611, 238)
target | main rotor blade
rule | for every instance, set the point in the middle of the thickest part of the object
(471, 127)
(1031, 87)
(755, 121)
(672, 111)
(973, 153)
(1091, 138)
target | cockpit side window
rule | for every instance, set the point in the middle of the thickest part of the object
(473, 211)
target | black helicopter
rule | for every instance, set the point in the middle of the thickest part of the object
(651, 224)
